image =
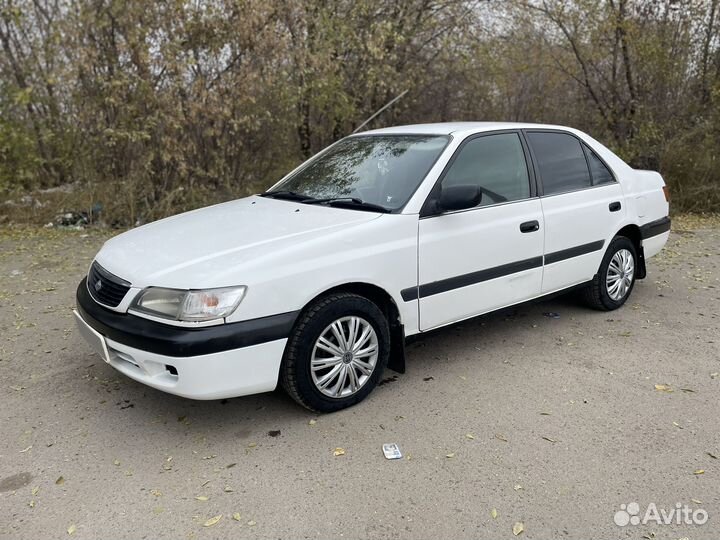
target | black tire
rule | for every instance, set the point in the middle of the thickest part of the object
(295, 375)
(596, 294)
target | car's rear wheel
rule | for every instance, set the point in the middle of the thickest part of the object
(612, 285)
(337, 352)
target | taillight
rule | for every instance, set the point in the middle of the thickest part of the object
(666, 191)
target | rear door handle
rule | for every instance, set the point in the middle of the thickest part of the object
(615, 206)
(529, 226)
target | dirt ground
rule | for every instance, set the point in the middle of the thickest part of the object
(516, 417)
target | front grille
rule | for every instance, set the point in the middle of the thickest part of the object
(106, 288)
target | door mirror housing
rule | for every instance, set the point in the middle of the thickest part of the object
(459, 197)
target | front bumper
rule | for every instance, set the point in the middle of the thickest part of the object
(211, 362)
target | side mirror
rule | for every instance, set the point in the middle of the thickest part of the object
(459, 197)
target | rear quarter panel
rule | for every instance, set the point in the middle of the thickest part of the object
(642, 190)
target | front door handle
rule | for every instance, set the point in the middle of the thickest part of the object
(615, 206)
(529, 226)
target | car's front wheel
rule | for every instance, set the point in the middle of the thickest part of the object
(337, 352)
(614, 282)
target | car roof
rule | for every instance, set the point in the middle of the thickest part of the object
(463, 128)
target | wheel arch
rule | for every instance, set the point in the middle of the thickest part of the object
(384, 300)
(632, 232)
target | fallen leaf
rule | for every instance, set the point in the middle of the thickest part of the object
(695, 501)
(71, 529)
(700, 471)
(312, 422)
(228, 489)
(205, 483)
(251, 523)
(517, 487)
(212, 521)
(688, 390)
(252, 445)
(31, 504)
(663, 388)
(116, 462)
(677, 425)
(202, 498)
(339, 452)
(450, 455)
(35, 490)
(518, 528)
(181, 418)
(158, 510)
(549, 439)
(60, 481)
(470, 436)
(714, 375)
(493, 513)
(156, 492)
(500, 437)
(26, 449)
(236, 516)
(545, 414)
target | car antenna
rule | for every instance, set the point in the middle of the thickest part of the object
(388, 104)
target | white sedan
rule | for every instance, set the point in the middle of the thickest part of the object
(317, 282)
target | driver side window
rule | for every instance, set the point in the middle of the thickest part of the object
(494, 163)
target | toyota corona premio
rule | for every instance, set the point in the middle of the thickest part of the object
(316, 283)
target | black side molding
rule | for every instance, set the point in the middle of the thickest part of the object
(411, 293)
(576, 251)
(159, 338)
(654, 228)
(456, 282)
(464, 280)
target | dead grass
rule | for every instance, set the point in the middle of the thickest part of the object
(693, 222)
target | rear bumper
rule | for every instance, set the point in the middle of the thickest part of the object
(655, 228)
(655, 234)
(212, 362)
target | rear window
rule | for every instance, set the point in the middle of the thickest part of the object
(561, 161)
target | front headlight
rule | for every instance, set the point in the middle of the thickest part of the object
(189, 306)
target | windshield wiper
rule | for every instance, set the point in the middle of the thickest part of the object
(287, 195)
(352, 202)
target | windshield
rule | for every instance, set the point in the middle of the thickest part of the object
(382, 170)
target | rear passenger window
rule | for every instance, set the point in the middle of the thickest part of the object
(599, 172)
(561, 161)
(494, 163)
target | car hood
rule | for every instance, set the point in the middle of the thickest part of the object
(196, 249)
